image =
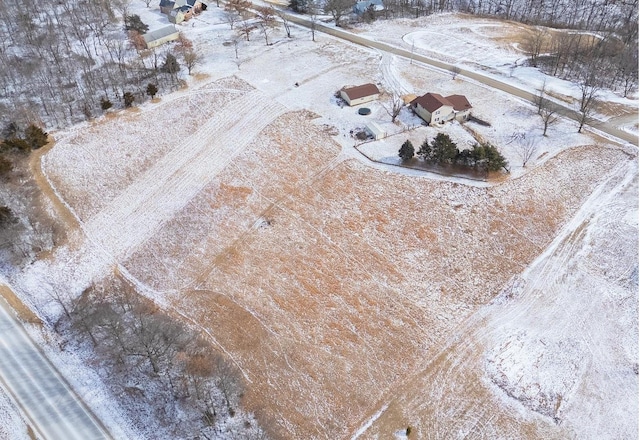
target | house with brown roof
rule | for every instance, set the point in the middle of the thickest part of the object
(437, 109)
(360, 94)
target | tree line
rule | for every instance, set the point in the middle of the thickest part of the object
(597, 15)
(158, 362)
(443, 151)
(25, 227)
(612, 56)
(607, 61)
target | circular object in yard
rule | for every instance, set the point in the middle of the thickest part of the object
(364, 111)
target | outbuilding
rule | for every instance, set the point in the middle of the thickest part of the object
(360, 94)
(160, 36)
(376, 131)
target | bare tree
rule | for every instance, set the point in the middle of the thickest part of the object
(533, 44)
(266, 18)
(238, 6)
(245, 26)
(191, 59)
(589, 90)
(627, 65)
(548, 114)
(526, 149)
(540, 96)
(285, 22)
(235, 48)
(156, 337)
(231, 17)
(455, 71)
(313, 18)
(229, 381)
(199, 367)
(394, 107)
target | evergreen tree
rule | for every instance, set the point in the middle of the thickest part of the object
(7, 216)
(134, 23)
(443, 149)
(171, 64)
(300, 6)
(5, 166)
(407, 151)
(35, 137)
(465, 158)
(16, 144)
(105, 104)
(487, 157)
(128, 99)
(425, 151)
(495, 160)
(152, 90)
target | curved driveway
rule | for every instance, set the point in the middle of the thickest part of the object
(53, 409)
(491, 82)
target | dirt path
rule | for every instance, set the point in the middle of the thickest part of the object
(23, 312)
(64, 212)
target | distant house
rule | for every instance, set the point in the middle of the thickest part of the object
(166, 6)
(360, 94)
(178, 15)
(160, 36)
(437, 109)
(181, 10)
(362, 6)
(375, 130)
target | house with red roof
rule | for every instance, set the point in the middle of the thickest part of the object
(437, 109)
(360, 94)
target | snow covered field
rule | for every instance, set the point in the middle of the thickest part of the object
(12, 423)
(353, 294)
(555, 355)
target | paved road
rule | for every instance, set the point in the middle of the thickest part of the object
(53, 409)
(491, 82)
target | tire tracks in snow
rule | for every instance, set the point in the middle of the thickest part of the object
(141, 210)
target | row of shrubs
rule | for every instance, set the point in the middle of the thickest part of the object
(442, 150)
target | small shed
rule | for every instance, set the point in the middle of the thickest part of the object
(360, 94)
(375, 130)
(160, 36)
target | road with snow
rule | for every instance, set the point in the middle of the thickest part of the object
(52, 408)
(605, 127)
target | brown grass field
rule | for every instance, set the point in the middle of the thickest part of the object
(330, 283)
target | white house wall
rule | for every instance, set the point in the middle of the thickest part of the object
(423, 113)
(463, 115)
(359, 100)
(160, 41)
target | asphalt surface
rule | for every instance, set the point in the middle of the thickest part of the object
(605, 127)
(53, 409)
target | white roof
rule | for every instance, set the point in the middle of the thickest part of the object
(375, 129)
(160, 33)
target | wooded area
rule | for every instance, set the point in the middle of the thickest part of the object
(62, 60)
(166, 373)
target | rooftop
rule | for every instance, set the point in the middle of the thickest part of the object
(361, 91)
